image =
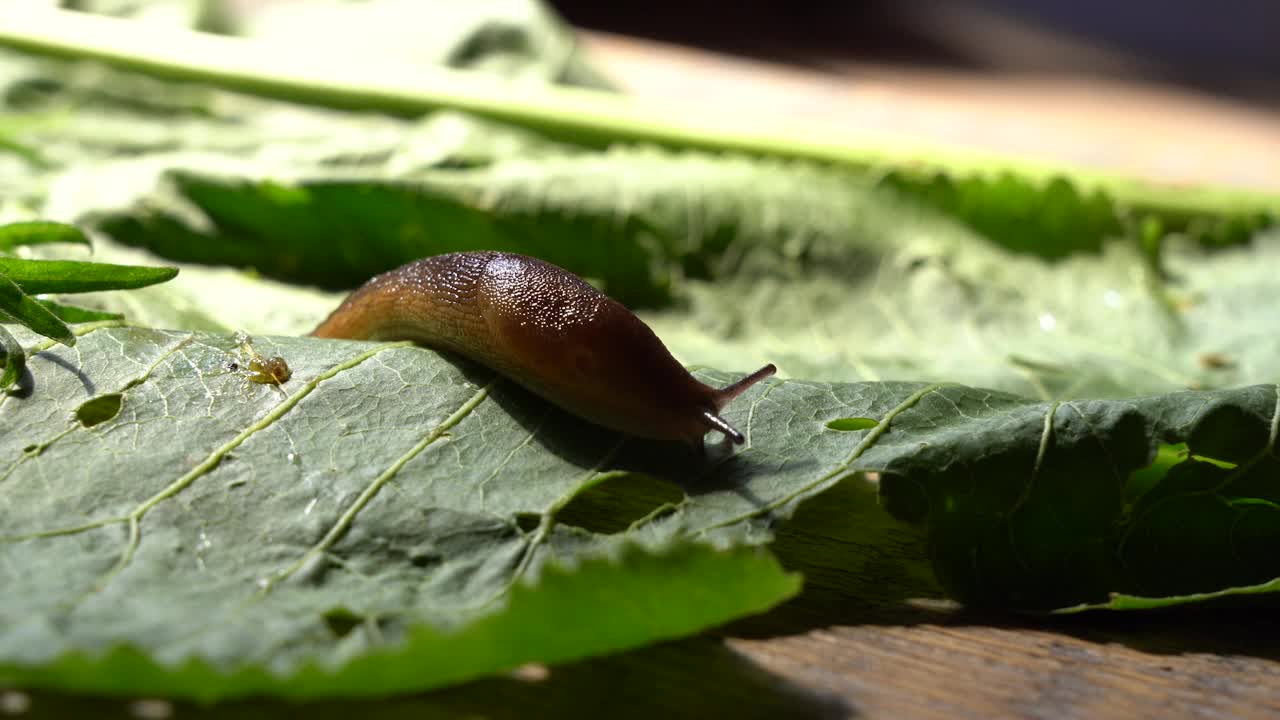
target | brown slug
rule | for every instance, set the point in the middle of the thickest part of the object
(547, 330)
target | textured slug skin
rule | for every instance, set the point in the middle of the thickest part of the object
(547, 330)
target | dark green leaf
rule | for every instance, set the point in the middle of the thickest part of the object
(36, 277)
(1121, 601)
(337, 233)
(21, 307)
(13, 360)
(73, 314)
(650, 217)
(1041, 517)
(39, 233)
(1054, 219)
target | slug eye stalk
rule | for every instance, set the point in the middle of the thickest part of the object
(715, 422)
(726, 394)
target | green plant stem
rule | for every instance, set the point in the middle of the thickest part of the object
(307, 74)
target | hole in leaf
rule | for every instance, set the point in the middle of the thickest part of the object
(619, 502)
(851, 424)
(425, 558)
(1143, 479)
(1167, 457)
(531, 673)
(99, 409)
(341, 621)
(528, 522)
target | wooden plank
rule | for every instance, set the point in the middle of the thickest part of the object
(1162, 133)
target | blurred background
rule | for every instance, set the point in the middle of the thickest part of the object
(1174, 90)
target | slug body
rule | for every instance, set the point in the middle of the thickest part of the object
(547, 330)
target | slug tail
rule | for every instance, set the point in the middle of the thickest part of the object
(727, 393)
(362, 315)
(718, 423)
(344, 325)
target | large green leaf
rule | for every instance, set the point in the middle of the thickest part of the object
(17, 305)
(383, 503)
(651, 216)
(320, 537)
(947, 309)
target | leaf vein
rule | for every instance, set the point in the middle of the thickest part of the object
(77, 330)
(542, 421)
(135, 517)
(348, 517)
(130, 384)
(840, 469)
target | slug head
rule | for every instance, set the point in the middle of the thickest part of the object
(725, 395)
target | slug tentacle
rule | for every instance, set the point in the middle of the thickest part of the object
(547, 330)
(727, 393)
(715, 422)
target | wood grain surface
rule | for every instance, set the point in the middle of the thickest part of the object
(1165, 133)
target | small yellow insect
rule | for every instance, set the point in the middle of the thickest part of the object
(269, 371)
(272, 370)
